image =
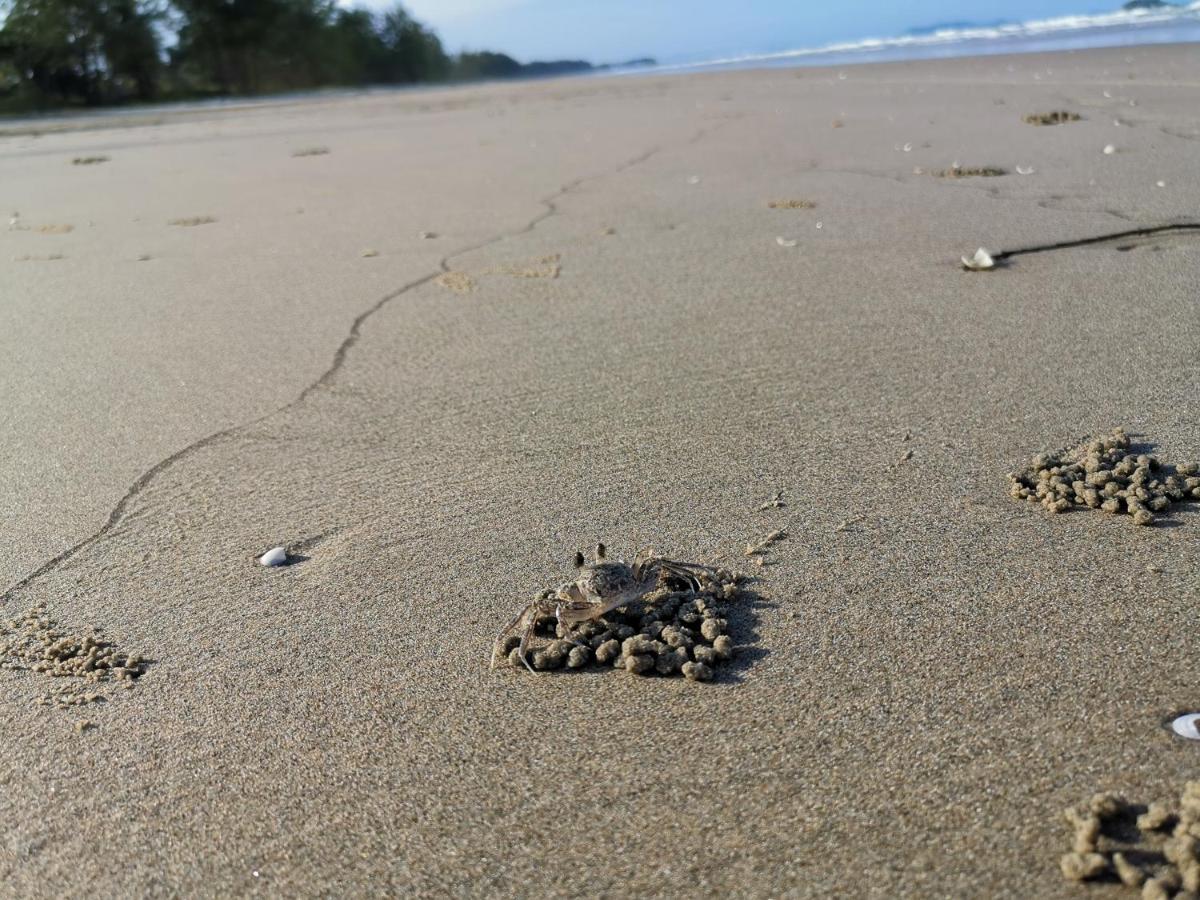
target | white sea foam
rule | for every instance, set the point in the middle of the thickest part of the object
(1100, 25)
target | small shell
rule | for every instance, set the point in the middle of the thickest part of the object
(693, 179)
(276, 556)
(981, 261)
(908, 148)
(1187, 726)
(1024, 170)
(785, 242)
(1109, 150)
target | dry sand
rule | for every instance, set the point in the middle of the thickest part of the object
(934, 670)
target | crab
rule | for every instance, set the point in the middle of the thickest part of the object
(602, 586)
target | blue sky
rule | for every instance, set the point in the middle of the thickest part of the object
(677, 30)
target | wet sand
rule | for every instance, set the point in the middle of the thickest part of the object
(605, 339)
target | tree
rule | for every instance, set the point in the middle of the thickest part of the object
(89, 51)
(413, 53)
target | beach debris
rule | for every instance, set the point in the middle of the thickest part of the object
(192, 221)
(310, 151)
(693, 179)
(367, 254)
(786, 242)
(775, 502)
(88, 160)
(143, 257)
(55, 229)
(791, 204)
(1057, 117)
(837, 123)
(765, 544)
(608, 230)
(1103, 474)
(980, 262)
(1187, 726)
(820, 225)
(276, 556)
(653, 616)
(459, 282)
(1109, 149)
(1024, 170)
(78, 662)
(30, 257)
(427, 235)
(1161, 184)
(957, 171)
(1153, 849)
(848, 524)
(14, 223)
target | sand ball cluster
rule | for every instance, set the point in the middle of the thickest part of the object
(969, 172)
(1103, 474)
(668, 632)
(1057, 117)
(1154, 849)
(36, 643)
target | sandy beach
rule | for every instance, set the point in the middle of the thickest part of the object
(493, 325)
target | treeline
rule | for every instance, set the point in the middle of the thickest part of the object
(93, 52)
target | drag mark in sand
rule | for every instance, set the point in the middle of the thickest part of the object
(340, 355)
(1178, 228)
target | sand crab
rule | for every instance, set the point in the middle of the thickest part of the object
(602, 586)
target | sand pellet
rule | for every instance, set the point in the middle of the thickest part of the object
(1103, 474)
(1083, 866)
(668, 632)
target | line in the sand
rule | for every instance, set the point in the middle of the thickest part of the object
(339, 358)
(1177, 228)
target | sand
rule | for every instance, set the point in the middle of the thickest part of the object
(934, 671)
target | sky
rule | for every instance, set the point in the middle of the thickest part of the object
(688, 30)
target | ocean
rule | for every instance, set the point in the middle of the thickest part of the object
(1177, 24)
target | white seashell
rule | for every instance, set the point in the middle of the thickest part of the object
(276, 556)
(1024, 170)
(1109, 150)
(981, 261)
(908, 148)
(1107, 95)
(1160, 184)
(1187, 726)
(784, 242)
(693, 179)
(820, 225)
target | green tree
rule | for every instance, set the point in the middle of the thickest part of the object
(412, 52)
(89, 51)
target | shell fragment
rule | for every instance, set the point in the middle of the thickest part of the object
(276, 556)
(981, 261)
(1187, 726)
